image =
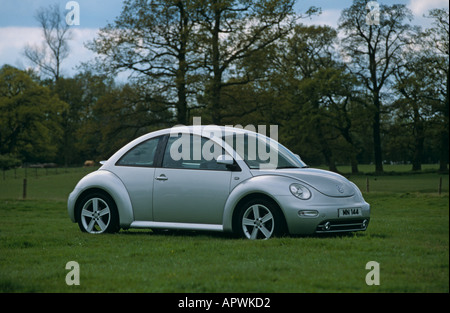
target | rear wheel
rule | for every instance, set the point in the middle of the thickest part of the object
(98, 214)
(259, 219)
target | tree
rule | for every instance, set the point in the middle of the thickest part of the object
(55, 48)
(438, 49)
(81, 93)
(120, 115)
(29, 117)
(231, 31)
(422, 86)
(412, 107)
(373, 51)
(152, 39)
(308, 92)
(8, 161)
(311, 53)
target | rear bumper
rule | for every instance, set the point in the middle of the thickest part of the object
(71, 205)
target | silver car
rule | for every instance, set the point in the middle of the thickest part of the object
(215, 179)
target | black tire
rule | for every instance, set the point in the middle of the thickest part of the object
(259, 219)
(97, 213)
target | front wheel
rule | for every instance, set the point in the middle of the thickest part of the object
(259, 219)
(98, 214)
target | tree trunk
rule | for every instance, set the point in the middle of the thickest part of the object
(443, 158)
(182, 68)
(354, 164)
(217, 78)
(182, 102)
(419, 138)
(346, 134)
(377, 135)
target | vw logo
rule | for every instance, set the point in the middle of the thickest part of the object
(340, 188)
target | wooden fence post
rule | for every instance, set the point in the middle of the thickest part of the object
(24, 194)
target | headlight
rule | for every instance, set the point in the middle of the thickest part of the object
(300, 191)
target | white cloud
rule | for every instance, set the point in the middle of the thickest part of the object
(78, 52)
(420, 10)
(328, 17)
(420, 7)
(14, 39)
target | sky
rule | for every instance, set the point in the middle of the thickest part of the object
(18, 26)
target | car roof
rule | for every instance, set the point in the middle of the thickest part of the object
(208, 131)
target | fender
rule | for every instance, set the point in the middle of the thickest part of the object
(110, 183)
(270, 185)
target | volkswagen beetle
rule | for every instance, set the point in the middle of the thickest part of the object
(216, 179)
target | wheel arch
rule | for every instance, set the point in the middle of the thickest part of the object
(254, 196)
(104, 182)
(85, 193)
(266, 187)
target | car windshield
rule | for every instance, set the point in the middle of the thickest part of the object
(261, 152)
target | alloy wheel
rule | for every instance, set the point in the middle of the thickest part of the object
(258, 222)
(95, 216)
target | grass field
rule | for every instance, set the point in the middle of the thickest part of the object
(408, 236)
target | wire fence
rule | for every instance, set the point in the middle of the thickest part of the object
(40, 182)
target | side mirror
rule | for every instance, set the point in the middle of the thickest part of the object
(225, 159)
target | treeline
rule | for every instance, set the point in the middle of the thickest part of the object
(371, 91)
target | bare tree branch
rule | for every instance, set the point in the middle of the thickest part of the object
(55, 48)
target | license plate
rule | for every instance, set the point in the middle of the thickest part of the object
(349, 212)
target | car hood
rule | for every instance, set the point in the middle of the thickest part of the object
(326, 182)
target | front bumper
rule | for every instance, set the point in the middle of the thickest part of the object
(327, 219)
(343, 225)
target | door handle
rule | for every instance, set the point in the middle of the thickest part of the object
(161, 177)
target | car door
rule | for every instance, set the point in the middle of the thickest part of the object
(193, 188)
(136, 169)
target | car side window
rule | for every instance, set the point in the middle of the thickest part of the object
(141, 155)
(192, 152)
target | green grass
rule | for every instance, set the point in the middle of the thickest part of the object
(388, 168)
(45, 184)
(408, 236)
